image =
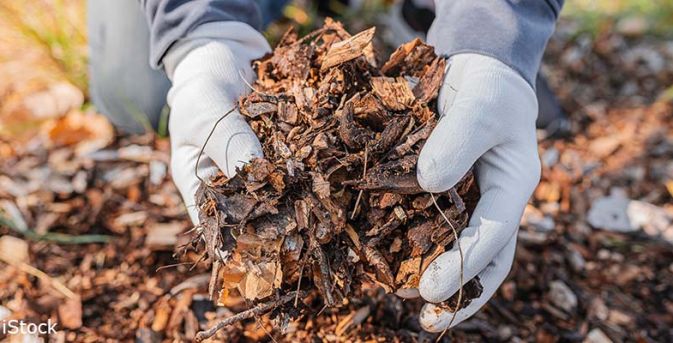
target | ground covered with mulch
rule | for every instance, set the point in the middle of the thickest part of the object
(583, 270)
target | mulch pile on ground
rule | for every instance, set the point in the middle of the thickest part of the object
(335, 201)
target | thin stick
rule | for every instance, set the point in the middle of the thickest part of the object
(462, 265)
(214, 273)
(250, 86)
(203, 147)
(174, 265)
(357, 201)
(55, 284)
(259, 322)
(258, 310)
(301, 274)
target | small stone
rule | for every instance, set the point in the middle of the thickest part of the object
(70, 314)
(632, 26)
(508, 290)
(131, 219)
(618, 213)
(597, 336)
(550, 157)
(604, 146)
(562, 296)
(14, 250)
(651, 58)
(532, 237)
(620, 318)
(603, 254)
(609, 213)
(550, 208)
(654, 220)
(4, 313)
(576, 260)
(79, 181)
(147, 335)
(134, 152)
(163, 236)
(504, 332)
(26, 338)
(598, 309)
(158, 171)
(534, 218)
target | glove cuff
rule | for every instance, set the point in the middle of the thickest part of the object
(514, 32)
(244, 43)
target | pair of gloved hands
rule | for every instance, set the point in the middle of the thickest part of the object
(488, 120)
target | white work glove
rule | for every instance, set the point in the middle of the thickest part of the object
(488, 120)
(209, 69)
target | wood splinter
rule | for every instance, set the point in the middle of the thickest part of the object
(256, 311)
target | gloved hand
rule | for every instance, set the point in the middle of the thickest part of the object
(209, 70)
(488, 117)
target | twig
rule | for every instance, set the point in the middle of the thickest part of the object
(462, 265)
(57, 285)
(49, 280)
(301, 274)
(203, 147)
(253, 88)
(214, 273)
(174, 265)
(357, 201)
(247, 314)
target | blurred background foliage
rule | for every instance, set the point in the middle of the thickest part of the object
(43, 44)
(653, 17)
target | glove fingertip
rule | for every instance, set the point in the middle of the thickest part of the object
(434, 318)
(427, 286)
(239, 148)
(432, 172)
(439, 281)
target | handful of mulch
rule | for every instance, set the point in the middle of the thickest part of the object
(335, 203)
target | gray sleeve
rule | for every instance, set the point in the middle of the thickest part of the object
(513, 31)
(170, 20)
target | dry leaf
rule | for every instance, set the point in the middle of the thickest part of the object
(87, 132)
(321, 187)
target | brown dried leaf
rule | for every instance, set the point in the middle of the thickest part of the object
(87, 132)
(260, 282)
(321, 187)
